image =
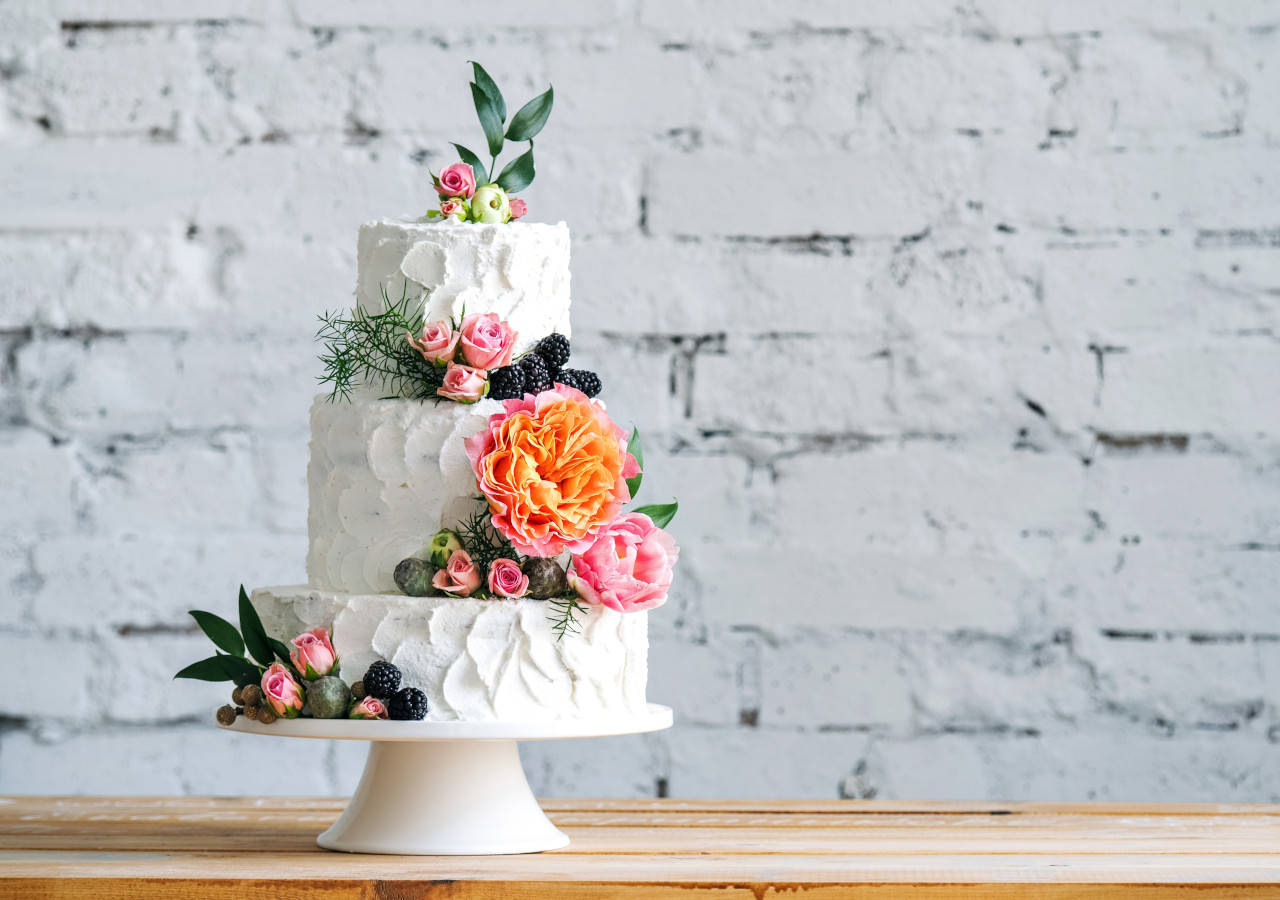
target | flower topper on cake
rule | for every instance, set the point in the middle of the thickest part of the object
(471, 193)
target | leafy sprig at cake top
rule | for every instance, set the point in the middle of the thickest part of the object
(473, 526)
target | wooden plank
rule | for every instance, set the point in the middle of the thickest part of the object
(186, 847)
(171, 889)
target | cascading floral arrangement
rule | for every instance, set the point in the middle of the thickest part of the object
(471, 193)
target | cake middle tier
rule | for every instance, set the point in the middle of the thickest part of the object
(477, 660)
(384, 476)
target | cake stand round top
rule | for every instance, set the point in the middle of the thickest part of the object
(655, 718)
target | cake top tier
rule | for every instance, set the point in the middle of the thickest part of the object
(519, 271)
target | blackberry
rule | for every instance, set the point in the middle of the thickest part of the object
(537, 375)
(554, 349)
(506, 383)
(587, 382)
(381, 680)
(408, 704)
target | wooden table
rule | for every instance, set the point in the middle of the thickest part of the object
(195, 847)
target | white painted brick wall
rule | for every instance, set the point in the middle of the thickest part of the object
(954, 326)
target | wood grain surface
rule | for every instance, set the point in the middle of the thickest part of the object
(205, 847)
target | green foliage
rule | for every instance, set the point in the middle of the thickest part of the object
(468, 157)
(490, 121)
(565, 618)
(491, 109)
(635, 449)
(255, 636)
(483, 542)
(220, 631)
(374, 347)
(210, 669)
(517, 174)
(490, 89)
(526, 124)
(661, 513)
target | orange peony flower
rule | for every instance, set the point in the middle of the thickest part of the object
(553, 468)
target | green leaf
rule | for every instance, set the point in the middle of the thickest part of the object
(517, 174)
(210, 669)
(220, 631)
(255, 636)
(281, 651)
(240, 670)
(532, 116)
(490, 88)
(490, 121)
(661, 513)
(482, 174)
(634, 448)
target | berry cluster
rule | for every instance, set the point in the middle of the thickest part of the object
(382, 680)
(539, 369)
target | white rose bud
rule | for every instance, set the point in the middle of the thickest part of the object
(490, 205)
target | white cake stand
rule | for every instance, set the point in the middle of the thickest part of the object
(447, 788)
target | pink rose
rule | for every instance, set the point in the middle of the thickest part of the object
(460, 577)
(454, 207)
(282, 692)
(465, 384)
(369, 708)
(458, 180)
(628, 568)
(437, 343)
(518, 209)
(506, 579)
(487, 341)
(313, 656)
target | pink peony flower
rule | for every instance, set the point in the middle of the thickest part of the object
(460, 577)
(628, 568)
(465, 384)
(518, 209)
(313, 656)
(506, 579)
(553, 468)
(487, 341)
(437, 343)
(454, 207)
(369, 708)
(282, 692)
(457, 180)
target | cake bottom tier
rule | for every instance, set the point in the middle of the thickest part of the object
(477, 660)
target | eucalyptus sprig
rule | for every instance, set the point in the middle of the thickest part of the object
(367, 346)
(491, 109)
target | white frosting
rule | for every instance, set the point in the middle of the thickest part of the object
(519, 271)
(385, 475)
(477, 660)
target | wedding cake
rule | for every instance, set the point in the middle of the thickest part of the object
(472, 552)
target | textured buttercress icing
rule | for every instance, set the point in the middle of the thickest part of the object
(385, 475)
(519, 271)
(477, 660)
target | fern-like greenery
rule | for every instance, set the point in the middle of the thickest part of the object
(565, 618)
(482, 541)
(369, 347)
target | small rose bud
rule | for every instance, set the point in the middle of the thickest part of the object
(490, 205)
(328, 698)
(546, 578)
(413, 577)
(443, 546)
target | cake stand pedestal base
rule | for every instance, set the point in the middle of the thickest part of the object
(444, 798)
(447, 788)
